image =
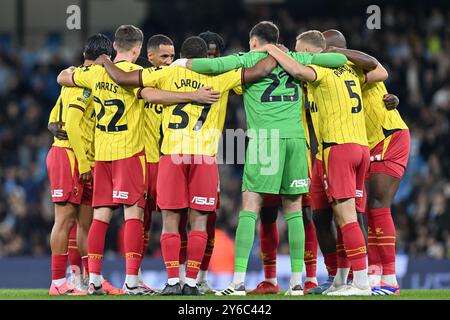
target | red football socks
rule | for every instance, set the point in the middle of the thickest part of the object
(195, 250)
(341, 255)
(86, 265)
(59, 263)
(74, 254)
(269, 239)
(330, 260)
(96, 245)
(384, 231)
(170, 247)
(310, 250)
(133, 245)
(211, 231)
(355, 245)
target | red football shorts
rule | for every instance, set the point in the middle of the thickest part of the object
(120, 182)
(86, 199)
(390, 156)
(62, 168)
(187, 181)
(319, 199)
(152, 171)
(345, 166)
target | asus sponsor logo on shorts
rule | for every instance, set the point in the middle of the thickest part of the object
(204, 201)
(57, 193)
(359, 193)
(302, 183)
(376, 157)
(120, 195)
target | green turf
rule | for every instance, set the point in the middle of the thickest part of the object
(42, 294)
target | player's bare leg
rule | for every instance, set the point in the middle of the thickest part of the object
(311, 247)
(196, 246)
(65, 215)
(245, 236)
(96, 247)
(269, 240)
(84, 221)
(170, 247)
(382, 192)
(346, 220)
(292, 208)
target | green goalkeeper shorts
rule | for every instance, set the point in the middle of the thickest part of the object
(276, 166)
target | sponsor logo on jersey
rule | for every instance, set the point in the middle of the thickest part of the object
(301, 183)
(120, 194)
(203, 201)
(57, 193)
(86, 93)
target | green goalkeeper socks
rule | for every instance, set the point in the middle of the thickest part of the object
(245, 235)
(296, 235)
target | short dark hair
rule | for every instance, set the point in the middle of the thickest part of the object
(97, 45)
(214, 38)
(265, 31)
(313, 37)
(194, 47)
(158, 39)
(127, 36)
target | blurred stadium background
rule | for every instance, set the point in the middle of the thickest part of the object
(35, 44)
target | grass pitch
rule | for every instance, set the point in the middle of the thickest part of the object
(42, 294)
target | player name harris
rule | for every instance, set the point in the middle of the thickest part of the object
(188, 83)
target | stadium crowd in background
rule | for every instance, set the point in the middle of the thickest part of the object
(414, 46)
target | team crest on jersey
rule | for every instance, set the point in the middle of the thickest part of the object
(86, 93)
(75, 191)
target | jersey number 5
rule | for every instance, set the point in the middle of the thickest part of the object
(119, 113)
(178, 111)
(350, 84)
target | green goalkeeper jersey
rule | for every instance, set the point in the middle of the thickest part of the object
(274, 102)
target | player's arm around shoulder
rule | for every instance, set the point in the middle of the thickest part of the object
(261, 69)
(119, 76)
(294, 68)
(204, 95)
(215, 65)
(379, 74)
(65, 77)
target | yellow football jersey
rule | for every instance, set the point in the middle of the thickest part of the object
(190, 128)
(338, 99)
(379, 120)
(152, 132)
(80, 98)
(118, 133)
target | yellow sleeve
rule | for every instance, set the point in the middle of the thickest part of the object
(85, 76)
(152, 77)
(238, 90)
(54, 113)
(73, 120)
(230, 80)
(80, 98)
(320, 72)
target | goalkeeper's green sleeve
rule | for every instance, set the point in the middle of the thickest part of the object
(216, 65)
(329, 60)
